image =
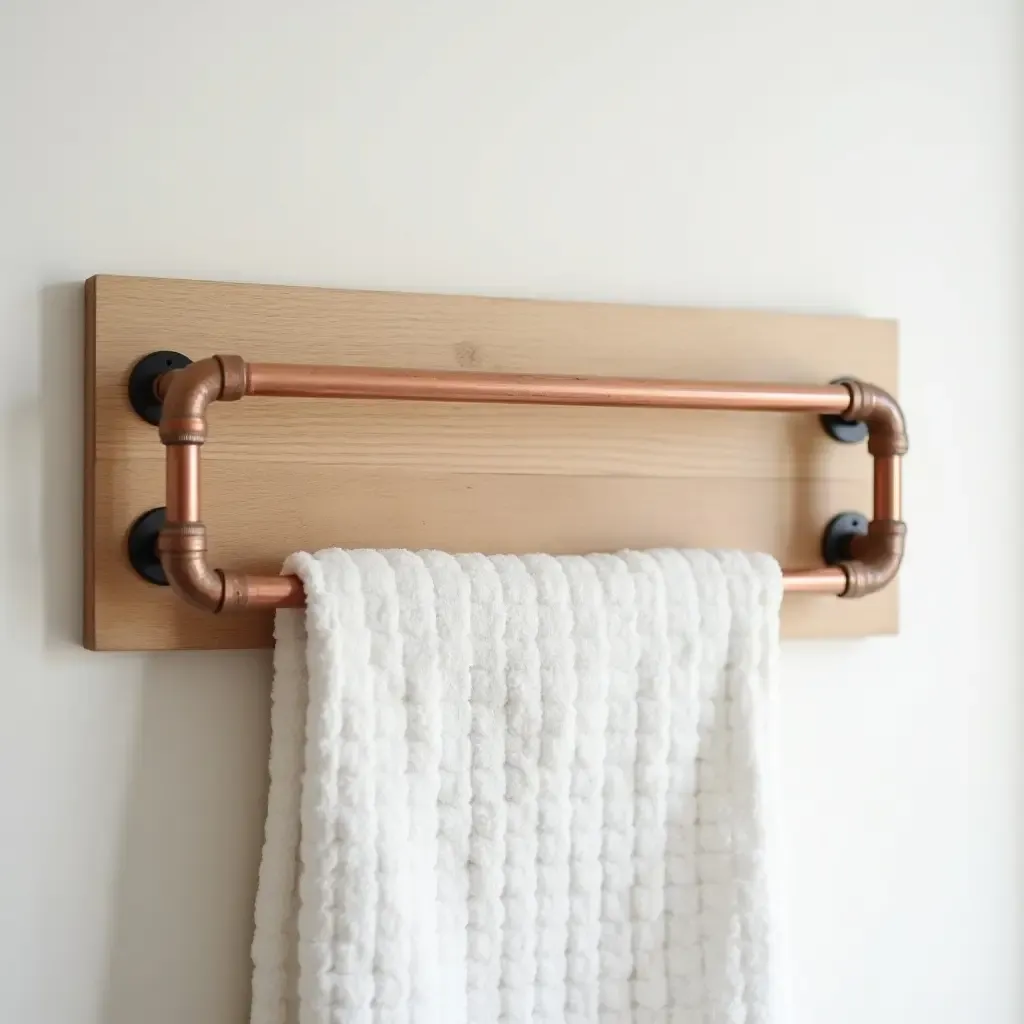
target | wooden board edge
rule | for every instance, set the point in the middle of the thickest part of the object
(89, 473)
(262, 637)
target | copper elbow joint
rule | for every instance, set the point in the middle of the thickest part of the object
(182, 550)
(876, 557)
(190, 391)
(887, 430)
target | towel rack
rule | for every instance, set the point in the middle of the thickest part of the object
(166, 388)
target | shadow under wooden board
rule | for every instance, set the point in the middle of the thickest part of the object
(281, 475)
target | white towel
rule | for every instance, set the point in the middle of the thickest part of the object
(519, 790)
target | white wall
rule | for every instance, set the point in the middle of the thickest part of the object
(799, 154)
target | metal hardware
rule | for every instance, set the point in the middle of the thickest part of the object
(865, 562)
(143, 535)
(839, 427)
(143, 378)
(837, 540)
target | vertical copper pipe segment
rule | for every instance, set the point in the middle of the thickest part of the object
(888, 487)
(183, 483)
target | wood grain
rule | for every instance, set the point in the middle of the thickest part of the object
(283, 475)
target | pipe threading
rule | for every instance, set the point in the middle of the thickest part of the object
(234, 378)
(236, 591)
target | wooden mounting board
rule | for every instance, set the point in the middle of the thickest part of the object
(282, 475)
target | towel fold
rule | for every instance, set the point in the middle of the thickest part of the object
(519, 789)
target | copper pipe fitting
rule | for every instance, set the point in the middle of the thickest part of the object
(182, 549)
(887, 432)
(876, 557)
(245, 591)
(188, 392)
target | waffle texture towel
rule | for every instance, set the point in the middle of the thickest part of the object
(519, 789)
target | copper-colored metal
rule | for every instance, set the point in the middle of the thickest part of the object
(265, 592)
(283, 380)
(887, 431)
(243, 591)
(888, 475)
(163, 382)
(188, 392)
(191, 390)
(234, 378)
(182, 549)
(877, 557)
(182, 483)
(828, 580)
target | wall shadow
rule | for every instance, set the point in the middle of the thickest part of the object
(192, 834)
(61, 354)
(41, 437)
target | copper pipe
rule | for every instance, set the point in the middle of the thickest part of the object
(287, 592)
(163, 382)
(284, 380)
(273, 592)
(188, 392)
(191, 390)
(182, 549)
(887, 432)
(876, 557)
(182, 545)
(888, 485)
(183, 483)
(828, 580)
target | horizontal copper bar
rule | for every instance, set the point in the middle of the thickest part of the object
(284, 380)
(287, 592)
(828, 580)
(182, 483)
(888, 503)
(274, 592)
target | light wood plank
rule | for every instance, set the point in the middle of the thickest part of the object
(490, 513)
(284, 475)
(511, 439)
